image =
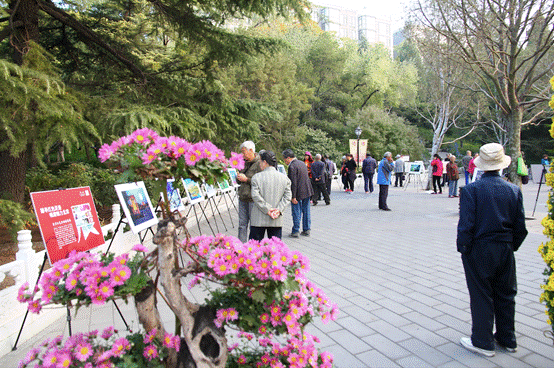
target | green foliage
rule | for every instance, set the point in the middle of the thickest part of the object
(386, 132)
(37, 108)
(14, 217)
(100, 180)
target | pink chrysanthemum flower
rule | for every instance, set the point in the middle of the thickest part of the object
(22, 295)
(105, 152)
(150, 336)
(108, 332)
(236, 161)
(140, 248)
(71, 281)
(83, 351)
(120, 347)
(180, 147)
(143, 136)
(148, 158)
(192, 156)
(150, 352)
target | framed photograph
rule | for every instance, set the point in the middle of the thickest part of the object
(281, 169)
(210, 190)
(415, 167)
(136, 206)
(477, 173)
(174, 197)
(224, 186)
(233, 175)
(194, 192)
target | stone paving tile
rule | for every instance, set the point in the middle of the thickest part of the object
(424, 351)
(386, 346)
(374, 358)
(391, 317)
(349, 341)
(538, 361)
(344, 359)
(389, 331)
(355, 326)
(424, 321)
(413, 362)
(423, 334)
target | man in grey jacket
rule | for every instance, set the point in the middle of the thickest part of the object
(271, 193)
(251, 167)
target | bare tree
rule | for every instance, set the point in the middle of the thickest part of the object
(504, 43)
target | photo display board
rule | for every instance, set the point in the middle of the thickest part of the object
(68, 221)
(416, 167)
(210, 190)
(233, 175)
(194, 192)
(136, 206)
(174, 197)
(224, 186)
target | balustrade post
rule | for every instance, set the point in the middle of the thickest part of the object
(27, 255)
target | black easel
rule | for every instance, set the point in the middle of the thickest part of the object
(538, 191)
(222, 196)
(193, 207)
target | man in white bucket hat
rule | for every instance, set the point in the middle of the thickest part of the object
(490, 229)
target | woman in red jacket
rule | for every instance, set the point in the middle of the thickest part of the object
(436, 164)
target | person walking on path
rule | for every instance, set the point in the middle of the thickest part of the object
(471, 167)
(331, 168)
(251, 167)
(384, 179)
(271, 192)
(344, 174)
(350, 171)
(308, 160)
(436, 164)
(398, 170)
(465, 165)
(490, 229)
(368, 170)
(302, 191)
(318, 181)
(453, 175)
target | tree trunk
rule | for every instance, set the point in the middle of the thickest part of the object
(12, 180)
(513, 123)
(204, 345)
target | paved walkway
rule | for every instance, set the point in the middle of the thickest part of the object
(398, 281)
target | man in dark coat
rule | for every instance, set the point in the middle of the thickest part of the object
(491, 228)
(302, 191)
(368, 169)
(351, 172)
(318, 181)
(251, 167)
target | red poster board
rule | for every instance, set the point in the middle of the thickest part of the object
(68, 221)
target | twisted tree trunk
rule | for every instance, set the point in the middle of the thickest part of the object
(203, 344)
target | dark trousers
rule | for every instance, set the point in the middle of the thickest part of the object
(437, 182)
(351, 182)
(398, 176)
(328, 184)
(344, 179)
(319, 189)
(491, 280)
(258, 232)
(368, 183)
(383, 194)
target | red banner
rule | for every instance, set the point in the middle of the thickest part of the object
(68, 221)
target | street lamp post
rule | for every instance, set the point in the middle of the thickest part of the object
(358, 132)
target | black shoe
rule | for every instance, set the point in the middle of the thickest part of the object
(327, 203)
(293, 235)
(305, 233)
(387, 209)
(314, 204)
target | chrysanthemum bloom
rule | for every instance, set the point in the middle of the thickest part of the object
(120, 347)
(140, 248)
(241, 359)
(82, 351)
(22, 295)
(150, 352)
(192, 157)
(105, 152)
(34, 306)
(149, 337)
(232, 314)
(264, 318)
(108, 332)
(148, 158)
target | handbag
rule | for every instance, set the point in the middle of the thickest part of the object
(521, 168)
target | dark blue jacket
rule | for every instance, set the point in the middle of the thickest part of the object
(491, 211)
(369, 165)
(318, 169)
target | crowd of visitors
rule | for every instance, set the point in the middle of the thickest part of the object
(491, 226)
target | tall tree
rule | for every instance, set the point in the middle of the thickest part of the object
(503, 42)
(125, 56)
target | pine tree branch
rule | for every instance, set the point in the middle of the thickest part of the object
(48, 7)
